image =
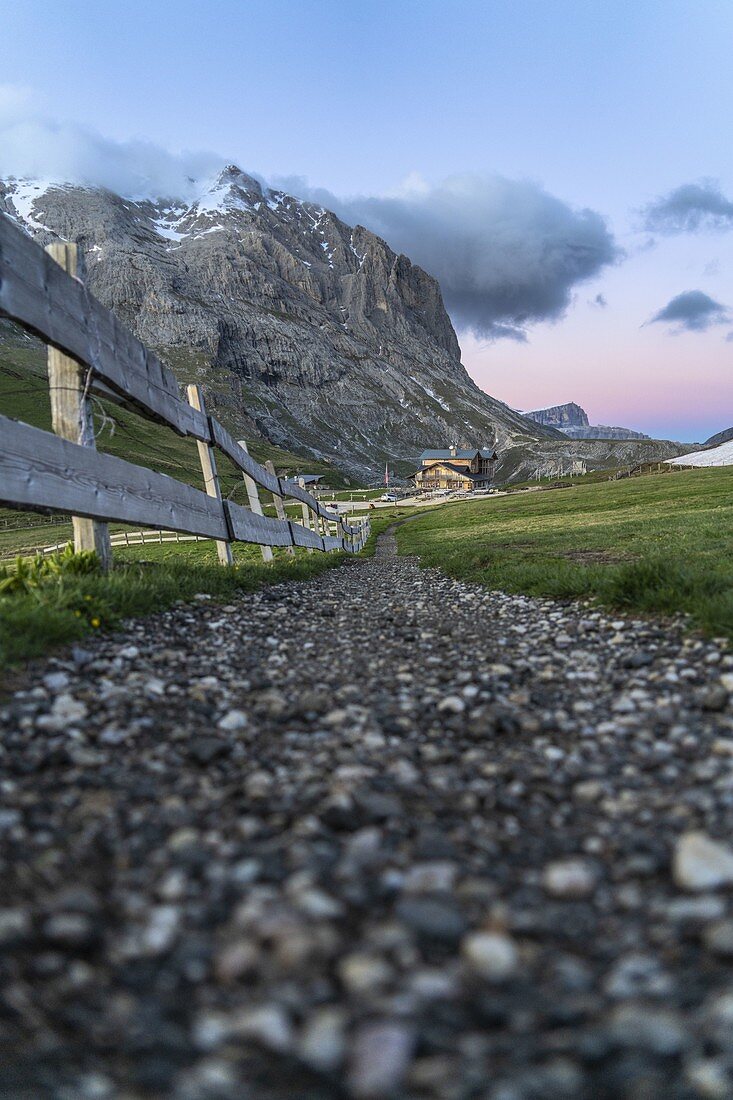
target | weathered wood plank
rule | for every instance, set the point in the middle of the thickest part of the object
(304, 536)
(292, 489)
(42, 298)
(331, 543)
(43, 473)
(249, 527)
(240, 458)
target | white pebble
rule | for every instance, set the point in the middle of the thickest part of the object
(569, 878)
(491, 954)
(233, 720)
(701, 863)
(451, 704)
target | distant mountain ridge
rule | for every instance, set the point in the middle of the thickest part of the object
(311, 333)
(572, 421)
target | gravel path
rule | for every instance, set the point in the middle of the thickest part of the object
(381, 834)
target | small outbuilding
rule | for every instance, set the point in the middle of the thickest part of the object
(307, 481)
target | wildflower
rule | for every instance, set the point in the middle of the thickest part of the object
(96, 622)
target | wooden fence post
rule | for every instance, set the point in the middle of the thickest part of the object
(208, 468)
(306, 520)
(253, 497)
(71, 414)
(279, 506)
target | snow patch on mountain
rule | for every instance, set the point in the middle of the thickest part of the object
(715, 456)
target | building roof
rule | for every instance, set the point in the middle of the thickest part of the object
(456, 469)
(307, 478)
(461, 452)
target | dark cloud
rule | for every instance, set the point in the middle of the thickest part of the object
(690, 207)
(692, 311)
(506, 253)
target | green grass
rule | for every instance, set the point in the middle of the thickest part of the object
(380, 520)
(655, 544)
(54, 604)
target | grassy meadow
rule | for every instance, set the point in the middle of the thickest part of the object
(655, 544)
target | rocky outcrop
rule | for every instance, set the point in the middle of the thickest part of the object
(315, 332)
(572, 421)
(556, 458)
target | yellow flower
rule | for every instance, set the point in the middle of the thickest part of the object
(96, 621)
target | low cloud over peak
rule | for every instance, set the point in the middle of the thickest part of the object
(692, 311)
(506, 253)
(34, 145)
(689, 208)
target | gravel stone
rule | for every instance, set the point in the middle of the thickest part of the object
(718, 938)
(701, 863)
(491, 955)
(246, 856)
(233, 720)
(380, 1057)
(570, 878)
(432, 918)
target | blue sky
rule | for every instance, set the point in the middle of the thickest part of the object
(605, 106)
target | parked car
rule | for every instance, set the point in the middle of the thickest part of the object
(388, 498)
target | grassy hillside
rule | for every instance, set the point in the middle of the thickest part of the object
(651, 544)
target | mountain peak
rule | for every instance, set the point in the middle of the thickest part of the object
(232, 188)
(572, 421)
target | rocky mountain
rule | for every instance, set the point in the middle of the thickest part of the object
(309, 332)
(557, 458)
(572, 421)
(719, 437)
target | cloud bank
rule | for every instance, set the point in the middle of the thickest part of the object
(505, 252)
(689, 208)
(692, 311)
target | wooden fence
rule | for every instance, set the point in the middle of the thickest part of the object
(90, 352)
(644, 468)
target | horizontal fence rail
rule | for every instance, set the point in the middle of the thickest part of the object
(41, 471)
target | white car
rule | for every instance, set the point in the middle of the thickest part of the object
(388, 498)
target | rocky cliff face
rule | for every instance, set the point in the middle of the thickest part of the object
(573, 421)
(310, 332)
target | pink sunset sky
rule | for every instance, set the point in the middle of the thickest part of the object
(623, 371)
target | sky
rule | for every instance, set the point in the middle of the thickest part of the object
(562, 168)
